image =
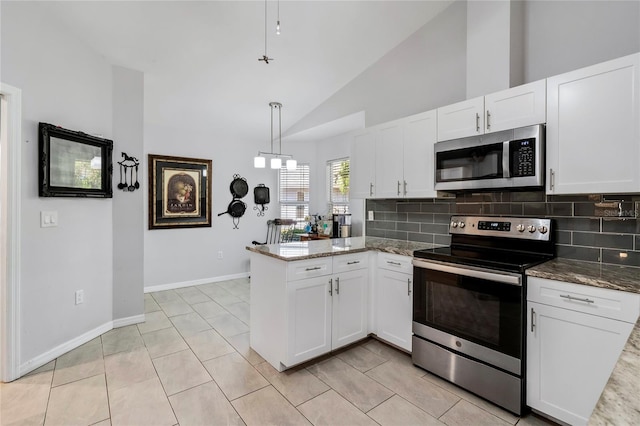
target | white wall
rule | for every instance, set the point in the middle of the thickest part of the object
(128, 211)
(66, 84)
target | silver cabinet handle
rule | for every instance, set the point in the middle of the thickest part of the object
(337, 285)
(577, 299)
(371, 189)
(477, 122)
(315, 268)
(533, 319)
(488, 122)
(355, 262)
(552, 178)
(408, 286)
(394, 263)
(330, 286)
(398, 187)
(405, 186)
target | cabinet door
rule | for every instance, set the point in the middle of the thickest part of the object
(462, 119)
(570, 356)
(389, 157)
(309, 319)
(362, 165)
(419, 137)
(350, 301)
(516, 107)
(393, 312)
(593, 129)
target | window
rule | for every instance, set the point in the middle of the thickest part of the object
(338, 185)
(294, 193)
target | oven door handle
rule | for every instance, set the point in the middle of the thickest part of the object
(501, 277)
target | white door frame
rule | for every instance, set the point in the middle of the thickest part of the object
(10, 191)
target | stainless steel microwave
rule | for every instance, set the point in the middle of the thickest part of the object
(502, 160)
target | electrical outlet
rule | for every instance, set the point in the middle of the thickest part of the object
(79, 297)
(370, 215)
(220, 255)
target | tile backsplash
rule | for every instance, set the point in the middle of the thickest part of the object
(585, 225)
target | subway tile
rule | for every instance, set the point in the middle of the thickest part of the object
(512, 209)
(621, 197)
(432, 228)
(382, 205)
(577, 224)
(548, 209)
(586, 198)
(392, 216)
(420, 217)
(636, 245)
(591, 239)
(621, 257)
(624, 226)
(373, 232)
(527, 196)
(442, 239)
(585, 209)
(471, 208)
(408, 207)
(412, 227)
(423, 238)
(396, 235)
(435, 207)
(563, 237)
(442, 218)
(482, 197)
(578, 253)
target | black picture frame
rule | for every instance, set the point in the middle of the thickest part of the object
(73, 164)
(179, 192)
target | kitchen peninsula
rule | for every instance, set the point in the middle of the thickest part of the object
(311, 297)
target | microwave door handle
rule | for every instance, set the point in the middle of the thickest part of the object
(505, 159)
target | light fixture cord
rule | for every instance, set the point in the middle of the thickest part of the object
(272, 107)
(265, 28)
(280, 126)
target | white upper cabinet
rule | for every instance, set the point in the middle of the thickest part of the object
(593, 129)
(516, 107)
(461, 119)
(508, 109)
(389, 159)
(362, 164)
(419, 138)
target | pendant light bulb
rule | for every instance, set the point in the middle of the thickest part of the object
(292, 164)
(276, 163)
(259, 162)
(278, 28)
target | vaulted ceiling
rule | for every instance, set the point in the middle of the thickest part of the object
(200, 58)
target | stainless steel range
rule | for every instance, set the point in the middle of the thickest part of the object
(469, 304)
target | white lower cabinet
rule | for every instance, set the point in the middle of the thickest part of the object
(394, 287)
(307, 308)
(571, 348)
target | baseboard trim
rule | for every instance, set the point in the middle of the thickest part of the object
(123, 322)
(172, 286)
(54, 353)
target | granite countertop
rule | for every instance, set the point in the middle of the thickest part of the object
(301, 250)
(618, 403)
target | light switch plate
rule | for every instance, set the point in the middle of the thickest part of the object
(370, 215)
(48, 219)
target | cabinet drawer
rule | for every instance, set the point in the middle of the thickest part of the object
(302, 269)
(603, 302)
(395, 262)
(350, 262)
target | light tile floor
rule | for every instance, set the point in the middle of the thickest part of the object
(190, 364)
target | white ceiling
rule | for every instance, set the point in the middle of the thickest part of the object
(200, 58)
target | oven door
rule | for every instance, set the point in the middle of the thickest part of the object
(472, 311)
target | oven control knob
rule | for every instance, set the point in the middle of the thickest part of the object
(531, 228)
(461, 224)
(454, 224)
(520, 228)
(543, 229)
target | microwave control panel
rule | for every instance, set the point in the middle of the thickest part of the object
(523, 157)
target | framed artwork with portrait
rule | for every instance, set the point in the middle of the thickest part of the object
(179, 192)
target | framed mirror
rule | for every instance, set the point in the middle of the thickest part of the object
(74, 164)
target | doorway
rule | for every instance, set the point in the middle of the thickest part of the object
(10, 148)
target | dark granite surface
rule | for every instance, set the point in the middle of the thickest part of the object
(619, 403)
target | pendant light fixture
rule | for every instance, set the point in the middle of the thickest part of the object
(260, 161)
(265, 58)
(278, 21)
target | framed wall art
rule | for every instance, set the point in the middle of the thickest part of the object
(179, 192)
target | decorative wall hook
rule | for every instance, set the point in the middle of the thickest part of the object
(127, 165)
